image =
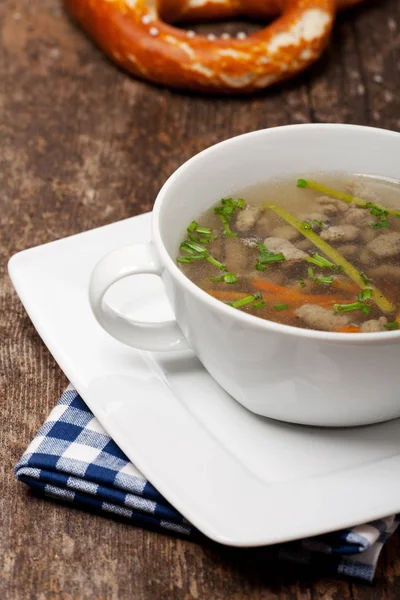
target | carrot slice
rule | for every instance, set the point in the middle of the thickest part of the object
(346, 286)
(294, 296)
(349, 329)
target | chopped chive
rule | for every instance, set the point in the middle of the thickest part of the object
(366, 309)
(280, 307)
(230, 278)
(216, 262)
(391, 326)
(263, 248)
(343, 308)
(227, 228)
(191, 257)
(242, 302)
(267, 258)
(205, 230)
(193, 248)
(303, 283)
(259, 304)
(196, 247)
(301, 183)
(193, 226)
(325, 280)
(183, 259)
(317, 223)
(310, 272)
(320, 261)
(185, 248)
(365, 295)
(306, 225)
(220, 278)
(365, 279)
(380, 224)
(225, 212)
(376, 211)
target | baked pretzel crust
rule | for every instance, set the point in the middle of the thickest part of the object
(140, 37)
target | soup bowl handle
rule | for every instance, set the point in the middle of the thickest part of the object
(125, 262)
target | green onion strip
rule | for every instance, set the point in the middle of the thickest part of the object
(318, 187)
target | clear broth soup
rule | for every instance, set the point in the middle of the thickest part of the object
(321, 252)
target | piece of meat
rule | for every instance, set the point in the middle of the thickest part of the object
(385, 245)
(348, 250)
(289, 250)
(340, 233)
(368, 234)
(286, 232)
(373, 325)
(389, 271)
(358, 216)
(362, 218)
(360, 189)
(305, 244)
(236, 257)
(331, 206)
(321, 318)
(246, 218)
(264, 225)
(250, 242)
(365, 256)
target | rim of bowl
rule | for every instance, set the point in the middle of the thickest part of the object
(246, 319)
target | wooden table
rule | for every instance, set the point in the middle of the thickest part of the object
(81, 145)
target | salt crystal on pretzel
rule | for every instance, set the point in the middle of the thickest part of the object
(140, 37)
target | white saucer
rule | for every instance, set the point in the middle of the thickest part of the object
(241, 479)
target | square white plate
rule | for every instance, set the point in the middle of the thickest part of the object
(241, 479)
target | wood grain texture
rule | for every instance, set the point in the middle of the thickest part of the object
(82, 145)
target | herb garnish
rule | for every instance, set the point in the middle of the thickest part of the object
(280, 307)
(392, 326)
(259, 304)
(365, 294)
(320, 261)
(195, 251)
(204, 233)
(365, 279)
(226, 211)
(216, 263)
(344, 308)
(306, 225)
(303, 283)
(310, 272)
(266, 257)
(245, 301)
(230, 278)
(325, 280)
(317, 223)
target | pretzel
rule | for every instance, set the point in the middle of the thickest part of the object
(139, 36)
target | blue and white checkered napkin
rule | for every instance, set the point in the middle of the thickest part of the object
(73, 459)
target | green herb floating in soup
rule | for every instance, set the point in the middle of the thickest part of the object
(314, 252)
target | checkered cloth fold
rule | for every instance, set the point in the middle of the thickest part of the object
(73, 459)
